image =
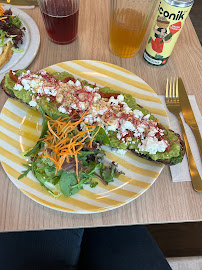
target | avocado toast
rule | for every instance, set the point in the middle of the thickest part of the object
(123, 123)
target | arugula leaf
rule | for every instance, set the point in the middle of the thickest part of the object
(16, 21)
(108, 173)
(25, 173)
(101, 136)
(91, 156)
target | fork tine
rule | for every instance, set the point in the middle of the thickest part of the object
(170, 90)
(167, 89)
(177, 93)
(174, 96)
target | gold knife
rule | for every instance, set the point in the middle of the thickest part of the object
(188, 114)
(20, 2)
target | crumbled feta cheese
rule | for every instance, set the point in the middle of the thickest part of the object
(114, 101)
(127, 109)
(70, 82)
(43, 72)
(82, 106)
(141, 128)
(62, 109)
(73, 106)
(152, 145)
(18, 87)
(96, 89)
(147, 116)
(152, 132)
(127, 125)
(33, 83)
(124, 133)
(77, 83)
(89, 89)
(138, 114)
(50, 91)
(88, 119)
(96, 97)
(25, 84)
(92, 119)
(101, 111)
(32, 103)
(39, 90)
(112, 128)
(118, 135)
(161, 131)
(120, 98)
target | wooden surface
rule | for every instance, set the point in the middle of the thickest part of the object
(178, 239)
(165, 201)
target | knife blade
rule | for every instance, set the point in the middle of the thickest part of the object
(188, 114)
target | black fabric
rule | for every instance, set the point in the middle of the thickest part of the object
(37, 250)
(113, 248)
(120, 248)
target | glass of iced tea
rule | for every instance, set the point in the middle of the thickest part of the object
(61, 19)
(128, 23)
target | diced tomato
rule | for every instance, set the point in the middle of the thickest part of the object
(13, 76)
(108, 95)
(68, 79)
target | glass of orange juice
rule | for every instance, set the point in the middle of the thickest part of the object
(128, 23)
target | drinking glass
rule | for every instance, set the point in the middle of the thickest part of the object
(128, 23)
(61, 19)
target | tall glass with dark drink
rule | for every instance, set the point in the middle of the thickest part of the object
(61, 19)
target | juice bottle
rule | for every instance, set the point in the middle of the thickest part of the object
(168, 22)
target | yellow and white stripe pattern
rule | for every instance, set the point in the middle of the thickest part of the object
(20, 128)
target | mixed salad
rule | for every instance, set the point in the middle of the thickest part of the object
(66, 157)
(11, 30)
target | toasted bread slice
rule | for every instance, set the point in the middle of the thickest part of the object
(6, 54)
(171, 160)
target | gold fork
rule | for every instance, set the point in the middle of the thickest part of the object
(173, 105)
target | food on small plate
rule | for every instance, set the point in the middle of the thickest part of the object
(78, 118)
(11, 35)
(6, 53)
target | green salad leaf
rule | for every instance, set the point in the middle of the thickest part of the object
(67, 181)
(16, 21)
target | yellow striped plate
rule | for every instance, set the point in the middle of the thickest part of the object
(20, 127)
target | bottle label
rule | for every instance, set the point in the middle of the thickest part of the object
(167, 25)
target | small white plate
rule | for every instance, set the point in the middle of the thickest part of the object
(31, 41)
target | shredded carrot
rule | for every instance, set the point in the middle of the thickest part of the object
(1, 10)
(63, 143)
(91, 141)
(52, 131)
(3, 18)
